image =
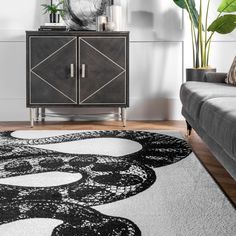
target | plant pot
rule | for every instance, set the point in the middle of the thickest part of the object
(193, 74)
(54, 18)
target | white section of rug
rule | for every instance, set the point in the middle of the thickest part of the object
(31, 134)
(110, 146)
(30, 227)
(184, 200)
(47, 179)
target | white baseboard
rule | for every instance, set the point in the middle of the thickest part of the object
(149, 109)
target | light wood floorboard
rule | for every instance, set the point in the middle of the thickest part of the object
(220, 175)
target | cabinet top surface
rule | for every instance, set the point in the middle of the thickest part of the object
(36, 32)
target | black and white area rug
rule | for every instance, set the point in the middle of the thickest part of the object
(107, 183)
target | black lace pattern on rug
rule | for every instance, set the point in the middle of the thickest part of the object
(105, 179)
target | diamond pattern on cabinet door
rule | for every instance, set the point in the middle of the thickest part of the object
(114, 47)
(43, 47)
(116, 97)
(55, 72)
(46, 93)
(100, 72)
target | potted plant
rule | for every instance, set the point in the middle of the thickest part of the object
(54, 11)
(202, 32)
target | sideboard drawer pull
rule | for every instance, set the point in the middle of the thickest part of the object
(72, 71)
(83, 71)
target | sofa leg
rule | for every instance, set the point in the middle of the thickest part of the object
(189, 129)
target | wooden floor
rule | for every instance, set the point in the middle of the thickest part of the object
(202, 152)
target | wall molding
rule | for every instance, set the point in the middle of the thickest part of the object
(223, 41)
(156, 41)
(19, 98)
(12, 35)
(170, 41)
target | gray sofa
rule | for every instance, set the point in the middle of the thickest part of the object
(209, 107)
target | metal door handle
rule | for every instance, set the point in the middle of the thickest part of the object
(83, 71)
(72, 71)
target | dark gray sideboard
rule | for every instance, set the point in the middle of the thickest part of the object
(77, 69)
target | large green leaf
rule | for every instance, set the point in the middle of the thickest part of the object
(224, 24)
(192, 8)
(180, 3)
(194, 12)
(227, 6)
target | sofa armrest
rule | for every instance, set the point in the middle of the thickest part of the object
(215, 77)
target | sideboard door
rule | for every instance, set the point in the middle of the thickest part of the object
(102, 77)
(52, 70)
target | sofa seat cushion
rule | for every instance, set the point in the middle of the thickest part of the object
(218, 119)
(194, 94)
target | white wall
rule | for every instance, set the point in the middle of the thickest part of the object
(160, 49)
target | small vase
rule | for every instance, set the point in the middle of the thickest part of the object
(193, 74)
(114, 13)
(54, 18)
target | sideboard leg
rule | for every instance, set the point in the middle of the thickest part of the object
(42, 114)
(37, 114)
(189, 129)
(123, 114)
(31, 117)
(119, 113)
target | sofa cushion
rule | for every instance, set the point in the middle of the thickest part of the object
(218, 119)
(215, 77)
(194, 94)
